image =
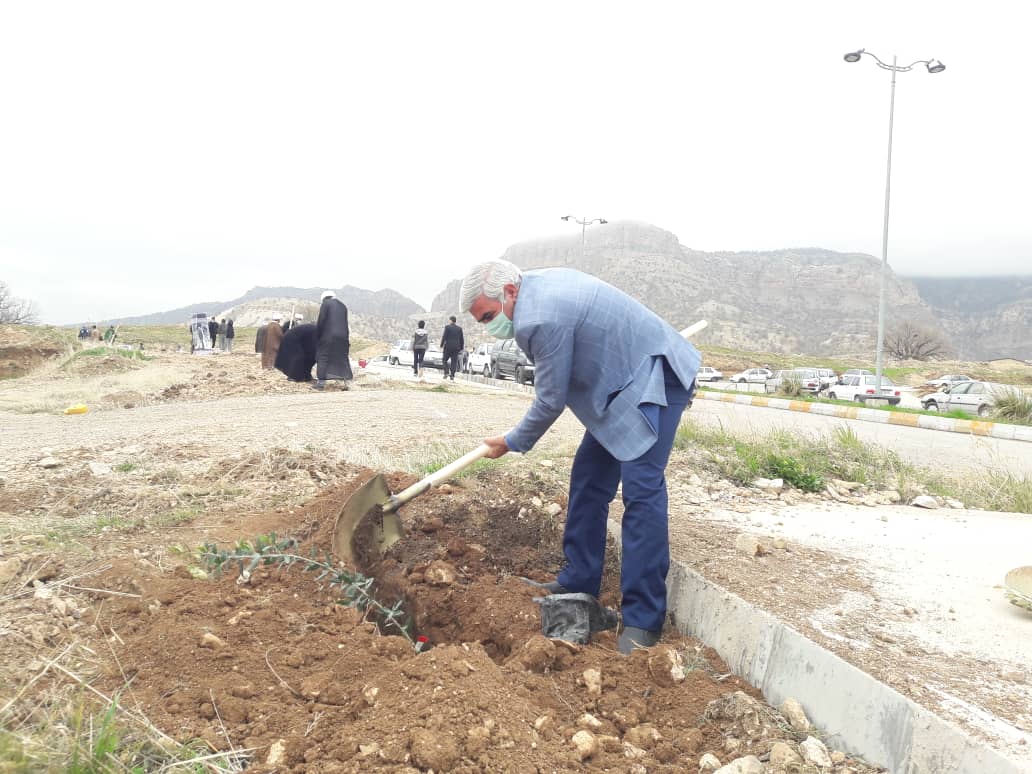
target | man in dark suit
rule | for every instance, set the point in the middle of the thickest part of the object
(452, 343)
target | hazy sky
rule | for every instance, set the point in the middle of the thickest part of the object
(158, 154)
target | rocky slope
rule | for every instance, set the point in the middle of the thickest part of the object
(805, 300)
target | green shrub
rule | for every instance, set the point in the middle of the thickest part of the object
(1013, 406)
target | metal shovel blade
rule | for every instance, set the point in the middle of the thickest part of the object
(362, 530)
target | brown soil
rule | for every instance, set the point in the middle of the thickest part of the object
(291, 663)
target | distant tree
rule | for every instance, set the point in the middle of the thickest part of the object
(911, 342)
(15, 310)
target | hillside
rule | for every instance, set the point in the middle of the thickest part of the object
(379, 303)
(805, 300)
(986, 317)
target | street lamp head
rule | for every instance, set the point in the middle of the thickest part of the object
(853, 56)
(935, 66)
(602, 221)
(565, 217)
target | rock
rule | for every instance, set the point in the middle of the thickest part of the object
(431, 750)
(794, 714)
(637, 768)
(49, 462)
(99, 468)
(845, 486)
(633, 752)
(609, 744)
(956, 504)
(782, 756)
(277, 753)
(365, 750)
(924, 501)
(477, 740)
(891, 495)
(369, 693)
(546, 464)
(589, 721)
(440, 573)
(1014, 675)
(814, 752)
(780, 543)
(833, 493)
(536, 502)
(837, 757)
(585, 743)
(553, 509)
(666, 666)
(197, 573)
(749, 545)
(537, 654)
(750, 764)
(709, 762)
(543, 725)
(770, 484)
(593, 682)
(9, 569)
(744, 710)
(209, 640)
(644, 736)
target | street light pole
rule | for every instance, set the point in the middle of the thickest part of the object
(934, 66)
(584, 223)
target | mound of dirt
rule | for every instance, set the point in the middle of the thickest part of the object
(101, 365)
(273, 662)
(26, 347)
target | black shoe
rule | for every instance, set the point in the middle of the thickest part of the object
(552, 587)
(319, 386)
(632, 638)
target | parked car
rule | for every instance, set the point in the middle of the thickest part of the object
(862, 388)
(434, 357)
(752, 376)
(479, 360)
(507, 359)
(854, 372)
(828, 377)
(808, 378)
(401, 353)
(971, 397)
(948, 380)
(707, 374)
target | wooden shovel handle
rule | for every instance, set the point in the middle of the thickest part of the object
(436, 478)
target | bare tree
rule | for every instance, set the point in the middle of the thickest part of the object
(911, 342)
(16, 311)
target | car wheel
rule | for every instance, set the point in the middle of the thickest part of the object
(519, 375)
(931, 406)
(983, 410)
(858, 398)
(393, 361)
(495, 373)
(832, 396)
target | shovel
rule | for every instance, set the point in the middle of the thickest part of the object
(368, 524)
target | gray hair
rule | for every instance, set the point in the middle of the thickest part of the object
(489, 279)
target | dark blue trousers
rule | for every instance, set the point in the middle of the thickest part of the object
(645, 537)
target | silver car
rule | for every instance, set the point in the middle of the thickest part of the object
(971, 397)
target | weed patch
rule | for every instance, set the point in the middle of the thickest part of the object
(1013, 406)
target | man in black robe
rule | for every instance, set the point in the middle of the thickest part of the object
(296, 354)
(332, 360)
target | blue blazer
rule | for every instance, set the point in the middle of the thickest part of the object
(598, 351)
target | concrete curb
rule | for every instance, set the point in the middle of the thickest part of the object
(857, 713)
(924, 421)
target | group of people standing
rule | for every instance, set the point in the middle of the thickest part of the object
(222, 334)
(92, 333)
(453, 346)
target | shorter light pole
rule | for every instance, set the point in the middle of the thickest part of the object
(584, 223)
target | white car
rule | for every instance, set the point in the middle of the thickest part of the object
(479, 360)
(948, 380)
(401, 353)
(753, 376)
(707, 374)
(971, 397)
(863, 388)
